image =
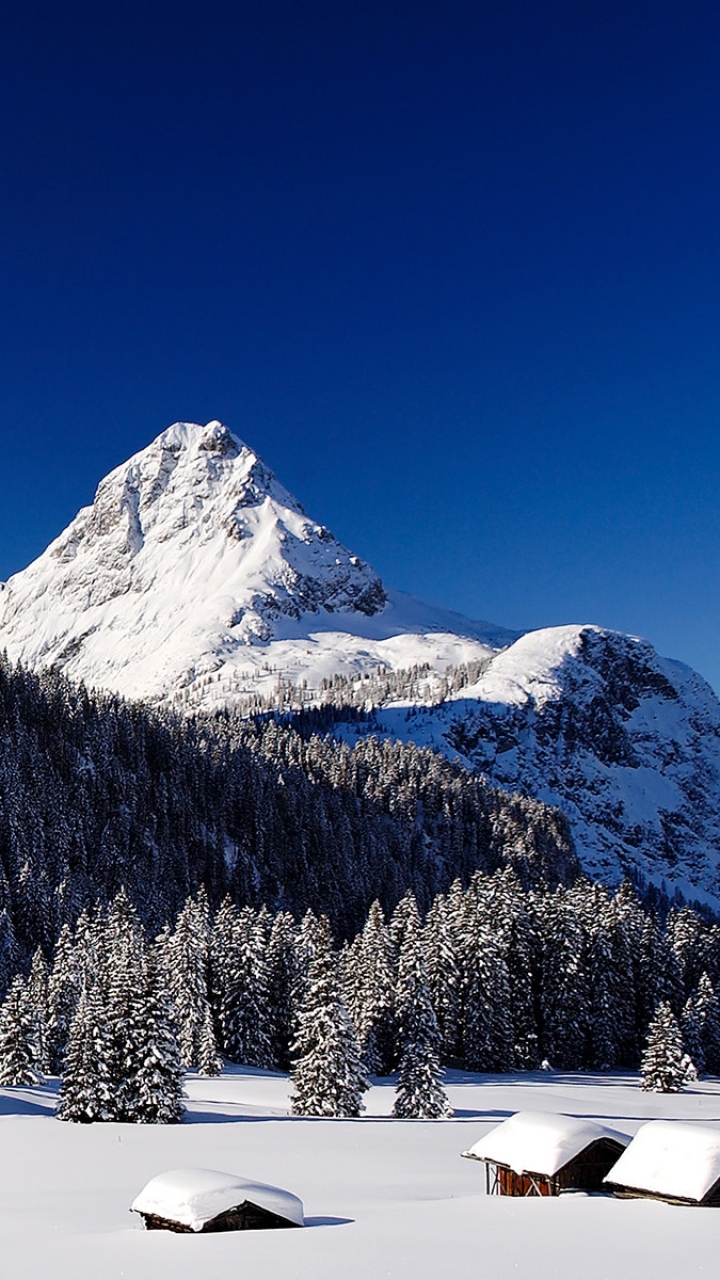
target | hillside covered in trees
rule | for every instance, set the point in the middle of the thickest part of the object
(98, 794)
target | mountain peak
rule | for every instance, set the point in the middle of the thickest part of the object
(190, 545)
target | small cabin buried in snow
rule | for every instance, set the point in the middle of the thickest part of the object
(670, 1160)
(204, 1200)
(535, 1153)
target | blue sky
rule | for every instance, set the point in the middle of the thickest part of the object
(451, 268)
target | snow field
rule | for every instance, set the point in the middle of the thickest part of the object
(383, 1198)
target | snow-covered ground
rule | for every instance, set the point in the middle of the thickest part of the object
(383, 1198)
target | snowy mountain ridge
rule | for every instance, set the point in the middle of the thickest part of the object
(196, 580)
(626, 743)
(194, 559)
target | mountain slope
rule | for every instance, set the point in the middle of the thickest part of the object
(97, 794)
(193, 561)
(196, 580)
(626, 743)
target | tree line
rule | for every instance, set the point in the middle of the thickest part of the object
(98, 794)
(493, 978)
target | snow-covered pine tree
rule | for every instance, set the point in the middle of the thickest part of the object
(520, 945)
(209, 1062)
(184, 958)
(282, 979)
(594, 908)
(19, 1050)
(121, 957)
(700, 1026)
(652, 955)
(691, 1027)
(625, 921)
(326, 1074)
(405, 918)
(221, 944)
(375, 995)
(672, 984)
(564, 1002)
(487, 1028)
(685, 935)
(707, 1007)
(310, 937)
(443, 975)
(88, 1091)
(152, 1090)
(419, 1095)
(662, 1065)
(38, 997)
(8, 943)
(246, 1011)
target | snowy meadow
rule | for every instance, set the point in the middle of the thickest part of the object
(382, 1197)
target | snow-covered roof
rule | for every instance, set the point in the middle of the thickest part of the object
(671, 1159)
(540, 1142)
(195, 1196)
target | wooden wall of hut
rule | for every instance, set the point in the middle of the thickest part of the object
(584, 1173)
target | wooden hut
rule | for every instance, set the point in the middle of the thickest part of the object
(540, 1154)
(672, 1161)
(195, 1200)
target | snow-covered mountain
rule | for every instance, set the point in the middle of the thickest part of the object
(626, 743)
(194, 567)
(196, 580)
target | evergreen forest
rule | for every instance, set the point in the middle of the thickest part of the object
(177, 891)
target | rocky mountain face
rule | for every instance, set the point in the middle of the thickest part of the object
(626, 743)
(195, 580)
(195, 577)
(190, 547)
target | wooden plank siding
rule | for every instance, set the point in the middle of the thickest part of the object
(585, 1172)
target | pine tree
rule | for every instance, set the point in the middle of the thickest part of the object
(373, 1007)
(221, 943)
(420, 1094)
(152, 1089)
(515, 908)
(8, 944)
(624, 922)
(326, 1075)
(184, 958)
(691, 1032)
(487, 1029)
(88, 1091)
(443, 975)
(121, 958)
(246, 1010)
(701, 1027)
(282, 983)
(19, 1051)
(662, 1062)
(649, 992)
(38, 997)
(601, 1052)
(564, 1002)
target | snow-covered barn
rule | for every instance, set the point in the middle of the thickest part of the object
(206, 1200)
(535, 1153)
(670, 1160)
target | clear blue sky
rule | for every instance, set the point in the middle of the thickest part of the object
(452, 268)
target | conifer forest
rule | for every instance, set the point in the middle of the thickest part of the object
(178, 891)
